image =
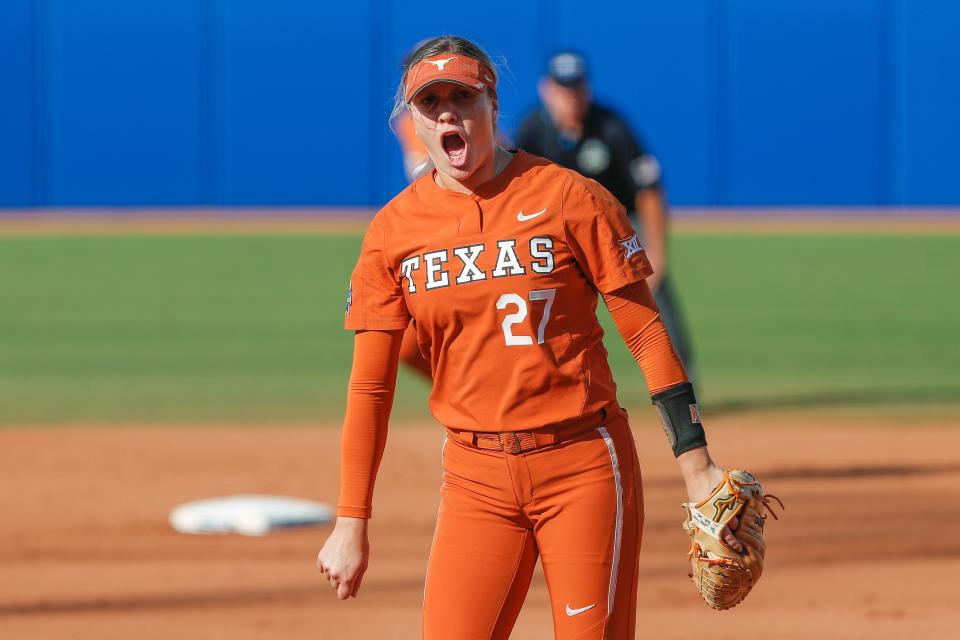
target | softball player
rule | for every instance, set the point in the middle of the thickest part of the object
(416, 162)
(499, 257)
(573, 130)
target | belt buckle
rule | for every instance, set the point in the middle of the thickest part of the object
(510, 442)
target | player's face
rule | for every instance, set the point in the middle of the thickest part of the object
(455, 124)
(567, 106)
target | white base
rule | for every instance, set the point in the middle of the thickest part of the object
(249, 515)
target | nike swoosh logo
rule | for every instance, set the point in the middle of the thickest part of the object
(523, 218)
(573, 612)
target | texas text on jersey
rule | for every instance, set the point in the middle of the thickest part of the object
(437, 275)
(503, 287)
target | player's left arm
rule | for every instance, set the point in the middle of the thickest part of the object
(605, 247)
(637, 318)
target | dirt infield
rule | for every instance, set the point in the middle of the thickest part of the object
(866, 548)
(354, 220)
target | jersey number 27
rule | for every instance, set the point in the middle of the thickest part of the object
(520, 315)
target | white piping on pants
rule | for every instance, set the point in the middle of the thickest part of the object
(619, 526)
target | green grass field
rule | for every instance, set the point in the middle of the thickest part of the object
(154, 329)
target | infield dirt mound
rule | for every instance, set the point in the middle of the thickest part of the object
(87, 553)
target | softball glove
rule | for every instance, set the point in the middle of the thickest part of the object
(723, 576)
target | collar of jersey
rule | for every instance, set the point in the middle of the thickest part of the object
(486, 191)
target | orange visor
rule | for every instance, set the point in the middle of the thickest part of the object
(448, 67)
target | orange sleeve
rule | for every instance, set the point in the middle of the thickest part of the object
(600, 236)
(373, 380)
(375, 298)
(638, 319)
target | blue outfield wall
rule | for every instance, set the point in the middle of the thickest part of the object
(244, 102)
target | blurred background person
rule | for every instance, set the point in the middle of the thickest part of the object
(416, 162)
(415, 159)
(572, 130)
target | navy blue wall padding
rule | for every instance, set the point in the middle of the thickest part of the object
(244, 102)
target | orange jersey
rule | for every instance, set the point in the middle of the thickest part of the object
(407, 136)
(503, 287)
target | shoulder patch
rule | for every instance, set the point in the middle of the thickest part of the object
(631, 246)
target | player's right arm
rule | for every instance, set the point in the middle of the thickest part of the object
(345, 555)
(377, 313)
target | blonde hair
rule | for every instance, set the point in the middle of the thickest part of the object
(433, 47)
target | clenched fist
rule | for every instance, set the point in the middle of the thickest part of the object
(344, 556)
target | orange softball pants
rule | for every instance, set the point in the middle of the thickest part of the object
(577, 504)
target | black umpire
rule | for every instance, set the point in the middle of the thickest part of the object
(572, 130)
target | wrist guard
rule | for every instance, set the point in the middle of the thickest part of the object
(680, 417)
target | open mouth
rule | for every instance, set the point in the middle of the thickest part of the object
(454, 146)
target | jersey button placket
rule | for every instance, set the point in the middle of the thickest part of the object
(471, 222)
